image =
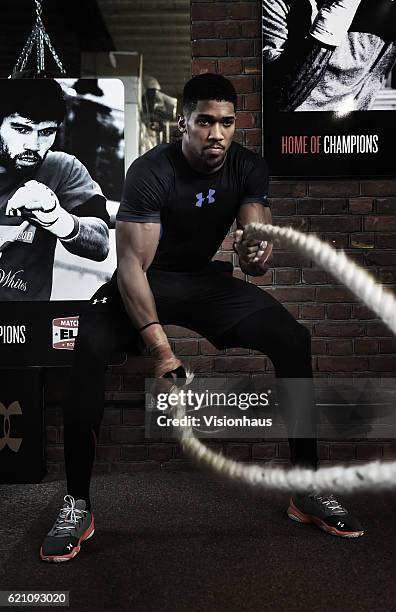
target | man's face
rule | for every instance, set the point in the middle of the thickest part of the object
(208, 134)
(23, 143)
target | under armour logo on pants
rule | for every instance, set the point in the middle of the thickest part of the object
(201, 198)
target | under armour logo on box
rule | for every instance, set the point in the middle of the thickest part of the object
(201, 198)
(6, 439)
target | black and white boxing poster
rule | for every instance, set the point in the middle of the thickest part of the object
(329, 87)
(61, 178)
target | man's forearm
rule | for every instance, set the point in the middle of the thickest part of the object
(137, 295)
(91, 241)
(256, 269)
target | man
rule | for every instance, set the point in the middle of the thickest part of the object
(178, 204)
(45, 195)
(327, 55)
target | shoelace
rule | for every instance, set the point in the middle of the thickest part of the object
(69, 515)
(331, 503)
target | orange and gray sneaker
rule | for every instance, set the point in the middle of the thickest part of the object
(326, 512)
(73, 525)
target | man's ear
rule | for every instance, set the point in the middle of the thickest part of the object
(182, 124)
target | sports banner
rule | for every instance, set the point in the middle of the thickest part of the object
(329, 87)
(61, 177)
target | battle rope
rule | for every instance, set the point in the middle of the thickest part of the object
(338, 478)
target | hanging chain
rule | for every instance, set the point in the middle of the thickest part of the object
(39, 38)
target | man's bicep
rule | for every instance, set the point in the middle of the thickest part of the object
(136, 242)
(253, 212)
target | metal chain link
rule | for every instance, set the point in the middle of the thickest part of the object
(40, 38)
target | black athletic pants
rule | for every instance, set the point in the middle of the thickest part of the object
(201, 302)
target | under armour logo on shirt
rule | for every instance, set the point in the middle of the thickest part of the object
(103, 301)
(201, 198)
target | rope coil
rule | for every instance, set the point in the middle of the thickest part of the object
(338, 478)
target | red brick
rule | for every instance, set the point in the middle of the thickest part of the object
(200, 364)
(175, 331)
(336, 189)
(280, 206)
(246, 119)
(227, 29)
(360, 311)
(251, 29)
(238, 364)
(202, 66)
(334, 206)
(253, 137)
(382, 363)
(381, 258)
(283, 189)
(347, 329)
(340, 347)
(385, 241)
(312, 311)
(387, 276)
(338, 311)
(334, 294)
(366, 346)
(52, 435)
(111, 416)
(318, 346)
(252, 101)
(186, 347)
(230, 65)
(343, 364)
(287, 277)
(377, 328)
(206, 348)
(208, 48)
(378, 188)
(337, 241)
(387, 206)
(338, 224)
(360, 206)
(389, 451)
(385, 223)
(239, 48)
(368, 452)
(362, 240)
(208, 12)
(293, 294)
(202, 29)
(342, 452)
(309, 206)
(315, 277)
(252, 66)
(387, 345)
(243, 10)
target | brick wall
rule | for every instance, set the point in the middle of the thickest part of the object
(357, 216)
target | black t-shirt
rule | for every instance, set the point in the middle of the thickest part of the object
(195, 210)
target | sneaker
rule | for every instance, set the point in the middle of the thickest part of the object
(73, 525)
(325, 512)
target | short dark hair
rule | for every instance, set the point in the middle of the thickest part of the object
(36, 99)
(207, 86)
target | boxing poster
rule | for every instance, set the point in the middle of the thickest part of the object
(329, 87)
(61, 177)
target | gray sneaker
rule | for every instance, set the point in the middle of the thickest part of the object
(73, 525)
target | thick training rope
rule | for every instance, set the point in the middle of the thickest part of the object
(339, 478)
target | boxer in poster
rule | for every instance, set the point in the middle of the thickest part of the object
(45, 195)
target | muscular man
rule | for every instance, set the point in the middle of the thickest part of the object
(178, 204)
(45, 195)
(327, 55)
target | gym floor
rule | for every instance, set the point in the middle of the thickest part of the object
(183, 541)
